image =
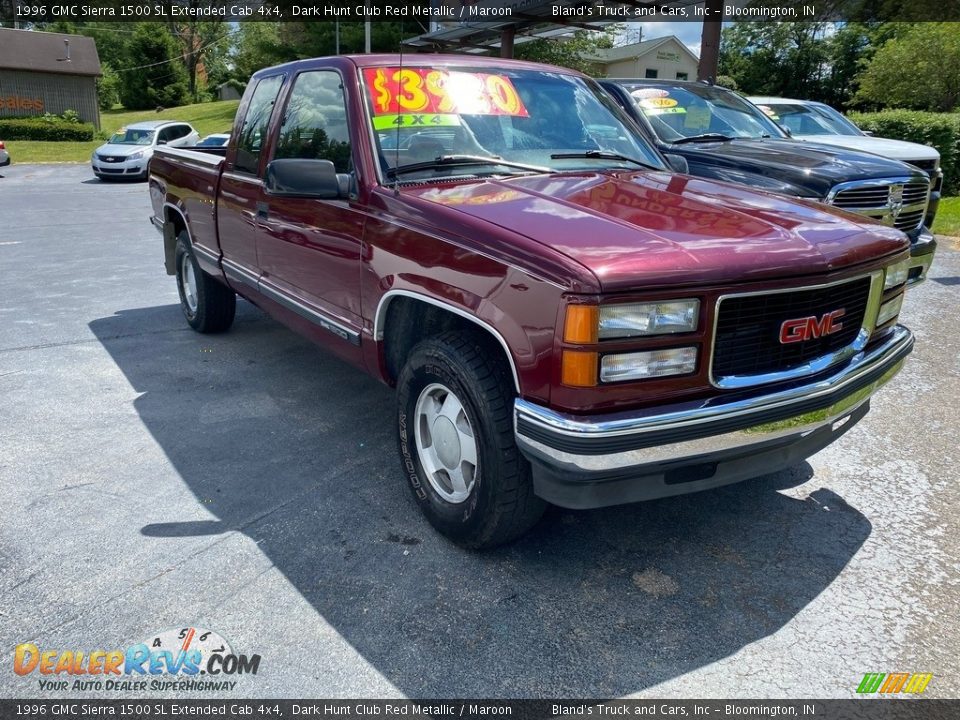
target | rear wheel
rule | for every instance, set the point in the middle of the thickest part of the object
(209, 306)
(456, 442)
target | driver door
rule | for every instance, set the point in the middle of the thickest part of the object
(309, 249)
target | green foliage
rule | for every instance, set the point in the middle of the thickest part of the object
(919, 70)
(812, 61)
(108, 87)
(159, 78)
(573, 51)
(725, 81)
(50, 128)
(939, 130)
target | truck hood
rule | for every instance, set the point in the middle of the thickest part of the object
(896, 149)
(804, 165)
(654, 229)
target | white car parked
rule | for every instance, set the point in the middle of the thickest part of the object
(819, 123)
(128, 152)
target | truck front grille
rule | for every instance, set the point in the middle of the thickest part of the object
(747, 340)
(928, 166)
(901, 204)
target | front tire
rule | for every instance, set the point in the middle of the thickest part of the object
(209, 306)
(456, 442)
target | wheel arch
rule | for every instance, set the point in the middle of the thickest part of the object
(463, 317)
(174, 222)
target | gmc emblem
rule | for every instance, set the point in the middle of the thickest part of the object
(801, 329)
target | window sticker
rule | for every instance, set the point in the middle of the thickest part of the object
(427, 91)
(697, 118)
(419, 120)
(641, 93)
(658, 103)
(769, 112)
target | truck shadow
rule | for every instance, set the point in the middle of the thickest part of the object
(284, 443)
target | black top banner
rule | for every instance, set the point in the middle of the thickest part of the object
(576, 13)
(229, 709)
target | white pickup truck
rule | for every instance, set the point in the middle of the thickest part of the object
(819, 123)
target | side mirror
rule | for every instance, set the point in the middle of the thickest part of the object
(306, 178)
(677, 163)
(161, 142)
(868, 133)
(786, 130)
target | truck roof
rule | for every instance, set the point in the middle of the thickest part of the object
(415, 59)
(154, 124)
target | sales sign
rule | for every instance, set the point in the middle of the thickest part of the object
(429, 91)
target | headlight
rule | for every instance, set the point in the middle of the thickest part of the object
(896, 274)
(641, 319)
(890, 309)
(650, 364)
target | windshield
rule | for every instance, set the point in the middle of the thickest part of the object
(132, 137)
(523, 117)
(809, 119)
(685, 111)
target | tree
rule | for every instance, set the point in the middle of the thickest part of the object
(202, 41)
(785, 58)
(153, 74)
(108, 87)
(574, 51)
(919, 70)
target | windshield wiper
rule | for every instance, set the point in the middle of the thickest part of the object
(706, 137)
(603, 155)
(462, 160)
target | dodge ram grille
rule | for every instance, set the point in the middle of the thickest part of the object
(901, 204)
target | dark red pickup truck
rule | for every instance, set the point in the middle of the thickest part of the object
(566, 318)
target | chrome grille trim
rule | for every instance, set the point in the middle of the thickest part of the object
(819, 364)
(878, 199)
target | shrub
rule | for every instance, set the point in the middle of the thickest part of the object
(725, 81)
(108, 87)
(939, 130)
(50, 129)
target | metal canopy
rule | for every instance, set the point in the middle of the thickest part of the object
(529, 20)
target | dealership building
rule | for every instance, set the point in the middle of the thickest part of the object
(48, 73)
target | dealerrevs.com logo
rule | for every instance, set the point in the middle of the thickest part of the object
(186, 659)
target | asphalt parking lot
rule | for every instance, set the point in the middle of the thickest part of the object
(152, 479)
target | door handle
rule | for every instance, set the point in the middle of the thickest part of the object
(263, 211)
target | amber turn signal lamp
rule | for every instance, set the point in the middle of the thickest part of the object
(578, 369)
(581, 324)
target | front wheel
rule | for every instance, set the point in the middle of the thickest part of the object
(208, 305)
(456, 442)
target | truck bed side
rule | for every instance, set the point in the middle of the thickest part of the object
(183, 191)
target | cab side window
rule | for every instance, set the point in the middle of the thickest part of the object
(315, 124)
(253, 132)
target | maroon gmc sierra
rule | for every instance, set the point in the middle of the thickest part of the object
(567, 317)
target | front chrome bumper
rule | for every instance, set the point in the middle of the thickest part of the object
(649, 453)
(127, 168)
(922, 250)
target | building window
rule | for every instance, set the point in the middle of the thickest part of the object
(651, 73)
(681, 76)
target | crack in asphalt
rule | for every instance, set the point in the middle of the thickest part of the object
(66, 343)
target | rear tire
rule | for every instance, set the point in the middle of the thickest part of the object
(209, 306)
(456, 442)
